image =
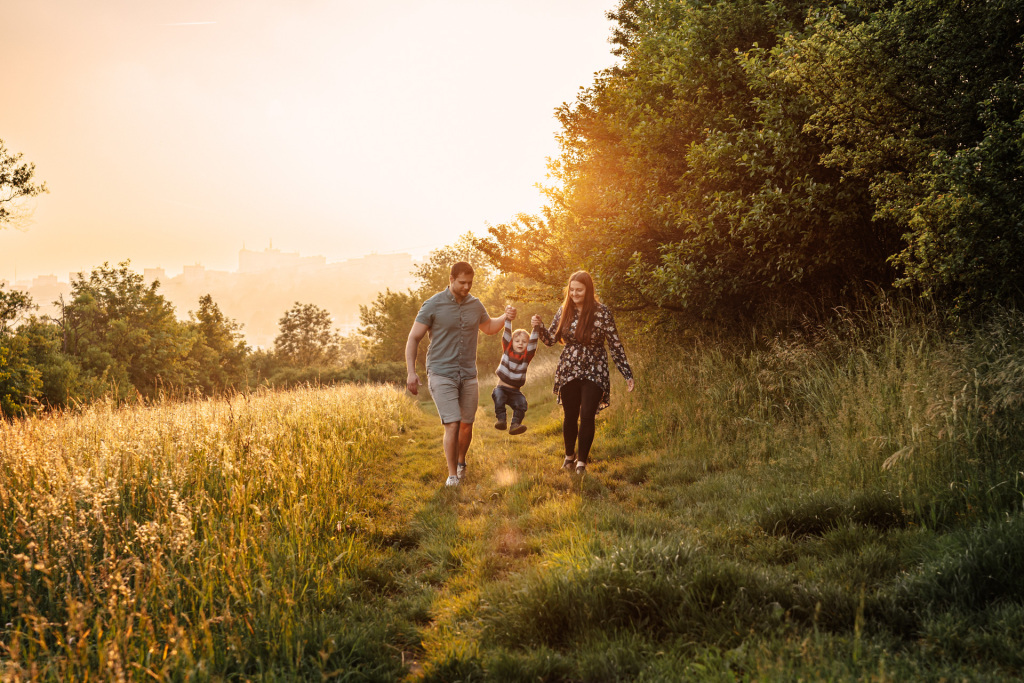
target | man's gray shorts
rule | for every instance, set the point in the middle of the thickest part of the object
(456, 401)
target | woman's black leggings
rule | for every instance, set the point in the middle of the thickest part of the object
(580, 399)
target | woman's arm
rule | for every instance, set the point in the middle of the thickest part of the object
(616, 348)
(547, 335)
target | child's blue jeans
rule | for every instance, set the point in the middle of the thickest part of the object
(513, 398)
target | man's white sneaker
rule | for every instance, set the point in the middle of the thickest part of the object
(452, 480)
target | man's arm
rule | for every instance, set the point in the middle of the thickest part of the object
(495, 325)
(411, 346)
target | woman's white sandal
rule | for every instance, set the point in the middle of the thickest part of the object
(567, 465)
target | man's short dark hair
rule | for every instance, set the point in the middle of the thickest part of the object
(461, 268)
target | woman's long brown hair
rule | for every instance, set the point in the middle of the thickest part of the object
(584, 327)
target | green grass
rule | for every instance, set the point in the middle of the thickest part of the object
(842, 503)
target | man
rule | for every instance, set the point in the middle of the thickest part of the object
(453, 317)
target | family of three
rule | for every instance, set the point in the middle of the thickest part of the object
(454, 317)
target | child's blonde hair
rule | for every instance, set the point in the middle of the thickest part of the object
(521, 333)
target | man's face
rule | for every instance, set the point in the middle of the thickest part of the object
(460, 285)
(519, 343)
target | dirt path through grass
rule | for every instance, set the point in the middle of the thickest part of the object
(514, 506)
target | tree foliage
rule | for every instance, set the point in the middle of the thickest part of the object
(19, 381)
(13, 305)
(385, 324)
(686, 179)
(746, 152)
(925, 100)
(434, 273)
(307, 337)
(63, 381)
(125, 331)
(218, 351)
(16, 184)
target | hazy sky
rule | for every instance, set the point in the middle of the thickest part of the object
(171, 133)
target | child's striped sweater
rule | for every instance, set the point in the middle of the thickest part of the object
(512, 370)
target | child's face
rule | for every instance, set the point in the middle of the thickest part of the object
(519, 343)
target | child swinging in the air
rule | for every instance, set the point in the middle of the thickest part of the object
(519, 348)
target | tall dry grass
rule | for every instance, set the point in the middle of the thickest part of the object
(887, 400)
(210, 537)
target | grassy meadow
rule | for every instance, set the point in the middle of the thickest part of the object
(842, 503)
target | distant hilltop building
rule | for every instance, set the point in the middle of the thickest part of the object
(196, 273)
(150, 275)
(388, 270)
(274, 259)
(45, 281)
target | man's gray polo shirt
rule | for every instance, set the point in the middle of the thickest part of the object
(453, 331)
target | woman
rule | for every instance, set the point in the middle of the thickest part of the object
(582, 384)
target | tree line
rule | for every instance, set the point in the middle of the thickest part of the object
(118, 338)
(749, 153)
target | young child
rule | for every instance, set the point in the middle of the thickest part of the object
(519, 348)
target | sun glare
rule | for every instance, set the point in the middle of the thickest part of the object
(172, 135)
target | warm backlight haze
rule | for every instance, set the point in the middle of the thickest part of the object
(176, 133)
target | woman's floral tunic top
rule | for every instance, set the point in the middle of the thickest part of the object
(588, 361)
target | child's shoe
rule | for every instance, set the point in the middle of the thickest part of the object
(501, 424)
(517, 428)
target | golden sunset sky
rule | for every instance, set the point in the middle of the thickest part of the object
(171, 133)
